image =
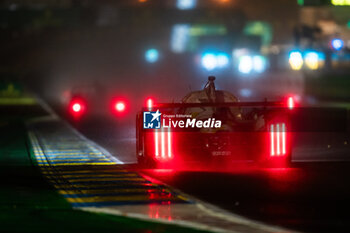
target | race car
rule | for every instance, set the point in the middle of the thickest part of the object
(211, 125)
(92, 100)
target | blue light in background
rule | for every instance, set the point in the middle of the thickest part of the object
(245, 92)
(152, 55)
(209, 61)
(186, 4)
(321, 56)
(337, 44)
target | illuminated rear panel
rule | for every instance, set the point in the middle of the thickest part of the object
(163, 144)
(278, 139)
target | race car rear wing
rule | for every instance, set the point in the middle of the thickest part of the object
(215, 104)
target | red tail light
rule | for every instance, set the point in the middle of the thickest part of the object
(119, 106)
(149, 103)
(77, 107)
(163, 144)
(290, 102)
(278, 139)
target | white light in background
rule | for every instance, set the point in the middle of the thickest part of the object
(311, 60)
(209, 61)
(296, 60)
(179, 38)
(245, 65)
(212, 60)
(259, 63)
(240, 52)
(222, 60)
(186, 4)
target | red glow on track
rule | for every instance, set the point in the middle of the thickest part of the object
(162, 211)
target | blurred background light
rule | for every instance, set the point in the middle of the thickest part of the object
(207, 29)
(179, 38)
(340, 2)
(245, 64)
(186, 4)
(222, 60)
(237, 53)
(259, 29)
(152, 55)
(337, 44)
(311, 60)
(259, 63)
(321, 56)
(245, 92)
(209, 61)
(296, 60)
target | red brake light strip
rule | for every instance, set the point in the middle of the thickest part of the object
(278, 139)
(163, 144)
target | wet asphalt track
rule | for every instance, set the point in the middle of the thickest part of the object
(310, 196)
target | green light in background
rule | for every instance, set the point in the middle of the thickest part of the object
(300, 2)
(203, 30)
(340, 2)
(348, 24)
(185, 37)
(259, 28)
